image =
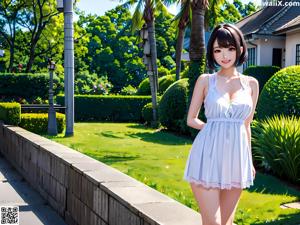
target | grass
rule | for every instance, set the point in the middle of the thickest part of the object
(158, 158)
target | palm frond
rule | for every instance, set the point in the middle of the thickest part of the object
(128, 4)
(137, 17)
(160, 6)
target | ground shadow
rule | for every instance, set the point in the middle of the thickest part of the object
(160, 137)
(113, 157)
(291, 219)
(267, 184)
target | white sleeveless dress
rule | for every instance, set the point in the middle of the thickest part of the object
(220, 155)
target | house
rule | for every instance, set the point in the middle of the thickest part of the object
(272, 35)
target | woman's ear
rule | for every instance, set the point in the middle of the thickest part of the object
(241, 49)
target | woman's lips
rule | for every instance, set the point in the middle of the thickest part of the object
(225, 62)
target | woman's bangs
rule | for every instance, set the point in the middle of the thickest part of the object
(225, 38)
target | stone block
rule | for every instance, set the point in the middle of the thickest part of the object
(121, 215)
(100, 203)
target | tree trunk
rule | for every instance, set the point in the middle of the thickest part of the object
(11, 57)
(197, 49)
(197, 41)
(179, 47)
(153, 76)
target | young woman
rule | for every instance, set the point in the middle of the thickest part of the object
(220, 164)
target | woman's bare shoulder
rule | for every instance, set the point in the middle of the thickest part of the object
(252, 82)
(204, 77)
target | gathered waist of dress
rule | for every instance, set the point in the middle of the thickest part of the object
(233, 120)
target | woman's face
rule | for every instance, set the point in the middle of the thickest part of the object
(225, 57)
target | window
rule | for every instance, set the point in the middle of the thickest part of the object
(298, 54)
(251, 58)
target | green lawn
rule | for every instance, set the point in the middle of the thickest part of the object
(157, 158)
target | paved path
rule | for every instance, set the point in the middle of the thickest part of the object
(15, 191)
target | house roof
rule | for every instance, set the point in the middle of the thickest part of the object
(293, 24)
(268, 20)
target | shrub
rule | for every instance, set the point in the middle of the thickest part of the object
(10, 113)
(162, 71)
(163, 83)
(261, 73)
(147, 113)
(129, 90)
(144, 87)
(281, 94)
(173, 104)
(108, 107)
(14, 87)
(38, 122)
(276, 145)
(86, 83)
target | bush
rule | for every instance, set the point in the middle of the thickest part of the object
(86, 83)
(261, 73)
(162, 71)
(281, 94)
(14, 87)
(129, 90)
(147, 112)
(173, 105)
(108, 107)
(276, 146)
(10, 113)
(38, 122)
(163, 83)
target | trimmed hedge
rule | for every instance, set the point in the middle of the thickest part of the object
(108, 108)
(10, 113)
(38, 122)
(281, 94)
(173, 105)
(261, 73)
(28, 86)
(163, 83)
(147, 113)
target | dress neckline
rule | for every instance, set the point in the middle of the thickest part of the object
(223, 95)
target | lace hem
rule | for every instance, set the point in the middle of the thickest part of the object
(208, 185)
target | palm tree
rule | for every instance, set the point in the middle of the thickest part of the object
(183, 18)
(144, 13)
(200, 24)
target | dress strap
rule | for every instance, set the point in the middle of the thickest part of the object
(211, 79)
(244, 81)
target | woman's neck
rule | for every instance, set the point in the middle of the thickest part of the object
(229, 72)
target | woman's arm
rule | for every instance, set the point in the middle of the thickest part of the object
(196, 103)
(253, 83)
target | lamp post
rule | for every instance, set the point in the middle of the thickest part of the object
(52, 127)
(66, 6)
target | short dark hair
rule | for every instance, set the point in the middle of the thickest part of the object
(226, 35)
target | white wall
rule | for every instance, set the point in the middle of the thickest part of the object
(292, 39)
(265, 50)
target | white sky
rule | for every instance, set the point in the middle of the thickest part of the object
(99, 7)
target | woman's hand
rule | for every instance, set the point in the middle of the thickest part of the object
(253, 171)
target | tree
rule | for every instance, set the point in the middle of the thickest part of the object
(9, 15)
(35, 17)
(145, 11)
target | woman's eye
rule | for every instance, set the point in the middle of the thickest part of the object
(217, 51)
(231, 49)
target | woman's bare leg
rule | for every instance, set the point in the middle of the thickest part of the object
(228, 203)
(209, 204)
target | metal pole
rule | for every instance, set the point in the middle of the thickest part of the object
(52, 125)
(69, 66)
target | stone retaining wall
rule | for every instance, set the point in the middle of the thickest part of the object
(85, 191)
